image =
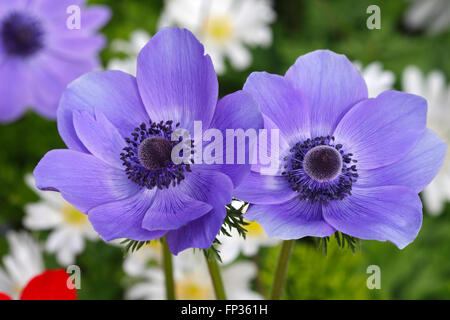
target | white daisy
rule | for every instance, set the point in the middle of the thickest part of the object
(225, 27)
(432, 15)
(23, 262)
(69, 226)
(377, 79)
(433, 88)
(232, 246)
(192, 280)
(138, 40)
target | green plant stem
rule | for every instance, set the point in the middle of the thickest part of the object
(280, 272)
(216, 278)
(168, 271)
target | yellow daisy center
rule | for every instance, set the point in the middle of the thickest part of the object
(72, 216)
(189, 289)
(220, 28)
(255, 229)
(154, 246)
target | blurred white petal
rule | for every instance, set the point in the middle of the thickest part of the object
(434, 89)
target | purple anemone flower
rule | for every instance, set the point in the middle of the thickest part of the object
(118, 128)
(40, 55)
(347, 163)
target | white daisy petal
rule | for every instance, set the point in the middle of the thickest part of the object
(138, 39)
(52, 198)
(41, 216)
(434, 89)
(239, 55)
(69, 226)
(225, 27)
(430, 15)
(377, 79)
(192, 279)
(23, 262)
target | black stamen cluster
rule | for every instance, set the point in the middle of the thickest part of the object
(153, 170)
(310, 189)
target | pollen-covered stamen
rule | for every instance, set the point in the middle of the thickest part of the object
(147, 158)
(154, 152)
(22, 34)
(320, 170)
(322, 163)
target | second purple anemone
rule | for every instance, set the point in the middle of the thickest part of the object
(346, 163)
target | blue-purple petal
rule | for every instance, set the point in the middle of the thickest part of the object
(123, 218)
(416, 170)
(390, 213)
(293, 219)
(264, 189)
(214, 188)
(82, 179)
(114, 93)
(236, 111)
(176, 79)
(172, 209)
(331, 84)
(279, 101)
(14, 90)
(99, 136)
(381, 131)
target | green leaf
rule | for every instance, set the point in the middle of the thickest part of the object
(233, 220)
(343, 240)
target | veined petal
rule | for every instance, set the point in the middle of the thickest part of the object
(214, 188)
(264, 189)
(292, 219)
(114, 93)
(392, 213)
(416, 170)
(331, 84)
(171, 209)
(123, 218)
(285, 106)
(83, 180)
(236, 111)
(176, 79)
(99, 136)
(381, 131)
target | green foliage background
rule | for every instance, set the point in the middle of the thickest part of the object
(421, 271)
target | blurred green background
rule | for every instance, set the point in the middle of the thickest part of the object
(421, 271)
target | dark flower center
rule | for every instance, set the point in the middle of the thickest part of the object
(147, 158)
(154, 152)
(320, 170)
(22, 34)
(322, 163)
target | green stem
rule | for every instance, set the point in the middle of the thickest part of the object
(280, 272)
(168, 271)
(216, 279)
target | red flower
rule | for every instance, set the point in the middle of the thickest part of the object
(4, 296)
(49, 285)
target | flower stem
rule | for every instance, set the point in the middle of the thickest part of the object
(280, 273)
(216, 278)
(168, 271)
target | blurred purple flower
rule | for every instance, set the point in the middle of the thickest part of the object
(40, 55)
(129, 187)
(347, 163)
